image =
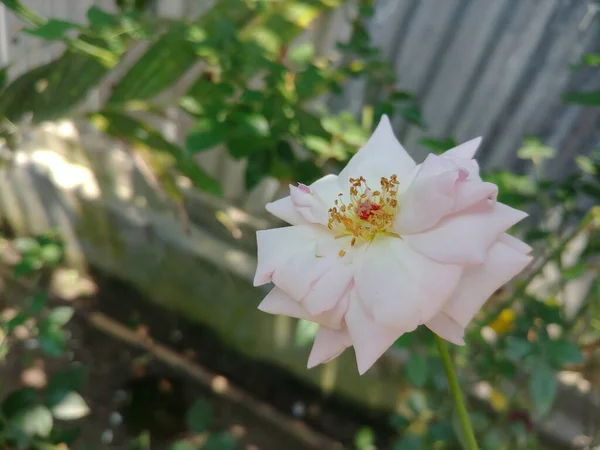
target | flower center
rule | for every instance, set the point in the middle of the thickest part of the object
(368, 212)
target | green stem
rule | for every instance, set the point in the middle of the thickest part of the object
(457, 394)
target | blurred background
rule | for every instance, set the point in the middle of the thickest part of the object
(139, 143)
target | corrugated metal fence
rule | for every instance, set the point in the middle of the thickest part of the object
(494, 68)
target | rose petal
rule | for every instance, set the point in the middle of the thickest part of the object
(307, 204)
(285, 210)
(502, 263)
(515, 243)
(297, 275)
(329, 344)
(402, 288)
(465, 237)
(471, 192)
(328, 289)
(382, 156)
(370, 339)
(279, 303)
(276, 246)
(447, 328)
(466, 150)
(430, 195)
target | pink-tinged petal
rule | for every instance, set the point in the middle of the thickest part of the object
(279, 303)
(402, 288)
(471, 192)
(515, 243)
(447, 328)
(298, 274)
(327, 291)
(370, 339)
(465, 238)
(502, 263)
(382, 156)
(276, 246)
(465, 150)
(430, 196)
(329, 344)
(307, 204)
(285, 210)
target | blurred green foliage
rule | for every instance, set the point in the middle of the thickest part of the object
(252, 88)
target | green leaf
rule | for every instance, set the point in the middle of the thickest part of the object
(38, 302)
(182, 445)
(65, 436)
(27, 266)
(26, 245)
(516, 348)
(3, 77)
(258, 166)
(409, 442)
(221, 441)
(100, 20)
(364, 439)
(53, 341)
(61, 315)
(142, 442)
(441, 431)
(67, 405)
(417, 370)
(52, 30)
(163, 63)
(16, 321)
(591, 98)
(302, 54)
(72, 378)
(543, 388)
(534, 150)
(398, 422)
(575, 271)
(19, 400)
(34, 421)
(586, 164)
(51, 254)
(412, 115)
(199, 416)
(198, 141)
(562, 352)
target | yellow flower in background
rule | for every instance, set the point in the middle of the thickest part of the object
(498, 400)
(504, 322)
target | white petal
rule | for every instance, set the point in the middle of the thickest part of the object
(430, 196)
(329, 344)
(515, 243)
(382, 156)
(466, 237)
(502, 263)
(279, 303)
(465, 150)
(369, 338)
(301, 207)
(325, 292)
(276, 246)
(447, 328)
(297, 275)
(402, 288)
(285, 210)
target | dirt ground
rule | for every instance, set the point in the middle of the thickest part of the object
(128, 391)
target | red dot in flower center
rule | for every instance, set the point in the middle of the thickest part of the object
(366, 209)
